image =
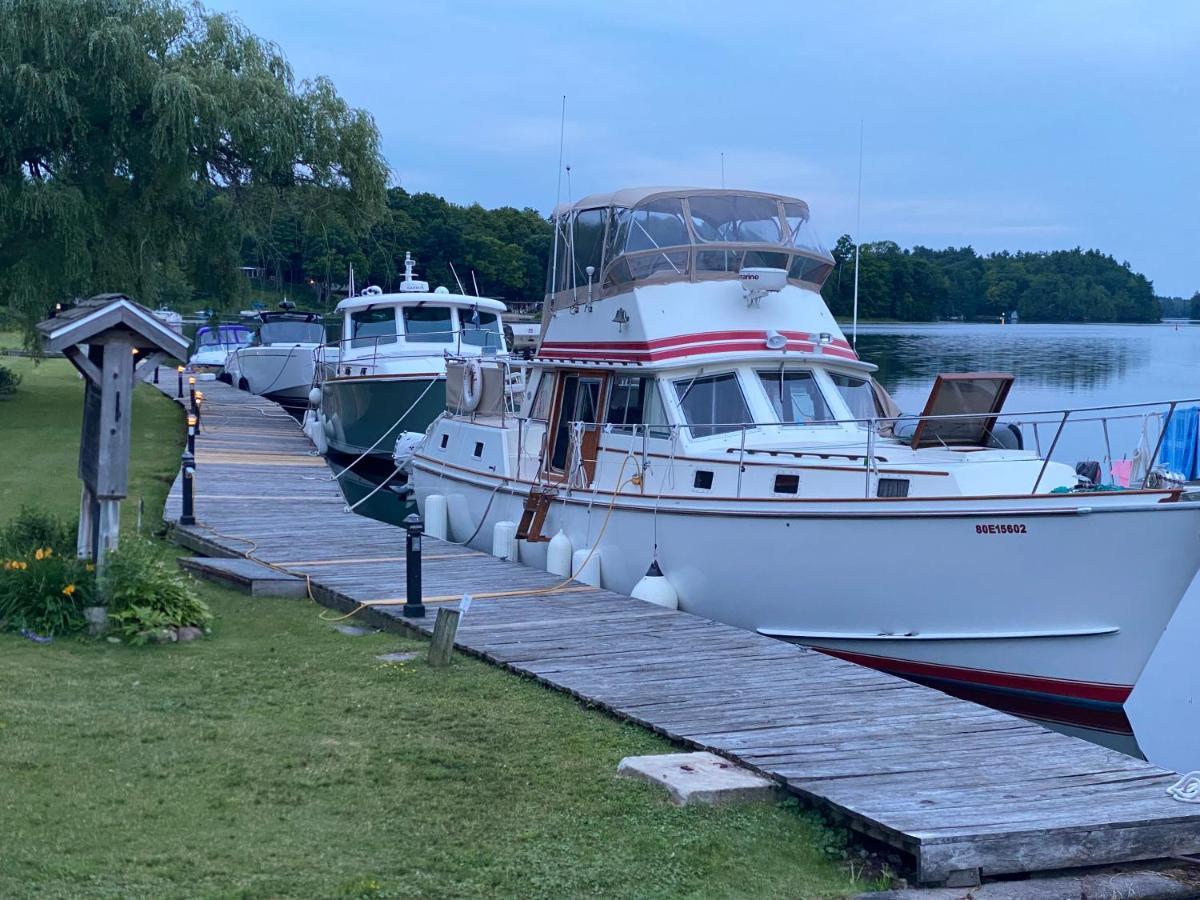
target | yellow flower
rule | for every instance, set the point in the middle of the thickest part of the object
(90, 567)
(24, 565)
(49, 552)
(38, 554)
(69, 590)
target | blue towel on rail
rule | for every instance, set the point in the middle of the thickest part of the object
(1179, 446)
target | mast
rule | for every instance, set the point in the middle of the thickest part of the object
(857, 236)
(562, 127)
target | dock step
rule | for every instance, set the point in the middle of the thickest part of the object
(245, 575)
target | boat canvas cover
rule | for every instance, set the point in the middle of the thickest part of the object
(978, 396)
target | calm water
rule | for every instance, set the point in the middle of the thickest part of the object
(1056, 366)
(1061, 366)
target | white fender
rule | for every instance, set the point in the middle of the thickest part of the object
(558, 555)
(436, 519)
(654, 588)
(504, 541)
(586, 569)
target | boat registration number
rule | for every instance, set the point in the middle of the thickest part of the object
(1008, 528)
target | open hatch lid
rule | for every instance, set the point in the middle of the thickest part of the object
(977, 396)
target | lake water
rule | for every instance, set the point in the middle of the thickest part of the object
(1056, 366)
(1060, 366)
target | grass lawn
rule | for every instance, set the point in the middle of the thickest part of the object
(280, 758)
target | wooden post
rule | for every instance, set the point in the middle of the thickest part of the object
(444, 630)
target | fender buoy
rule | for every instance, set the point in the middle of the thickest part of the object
(472, 385)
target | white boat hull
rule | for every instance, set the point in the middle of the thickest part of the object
(279, 372)
(918, 589)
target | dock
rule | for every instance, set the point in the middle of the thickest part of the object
(963, 791)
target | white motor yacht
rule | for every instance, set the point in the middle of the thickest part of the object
(213, 344)
(280, 363)
(696, 422)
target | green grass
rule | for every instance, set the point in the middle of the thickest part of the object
(39, 443)
(279, 758)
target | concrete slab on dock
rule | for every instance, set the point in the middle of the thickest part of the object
(963, 790)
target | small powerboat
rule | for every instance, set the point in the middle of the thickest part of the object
(214, 343)
(280, 362)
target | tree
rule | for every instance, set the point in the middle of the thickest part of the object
(1195, 306)
(143, 139)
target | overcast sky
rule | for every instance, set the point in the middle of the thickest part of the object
(1004, 125)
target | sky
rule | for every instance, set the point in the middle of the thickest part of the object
(1013, 125)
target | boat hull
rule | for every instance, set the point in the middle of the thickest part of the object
(919, 590)
(279, 373)
(362, 417)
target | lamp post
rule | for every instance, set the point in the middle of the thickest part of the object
(179, 390)
(188, 514)
(192, 422)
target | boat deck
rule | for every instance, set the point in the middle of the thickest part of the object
(964, 791)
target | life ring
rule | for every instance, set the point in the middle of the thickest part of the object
(472, 385)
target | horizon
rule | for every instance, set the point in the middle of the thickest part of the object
(959, 149)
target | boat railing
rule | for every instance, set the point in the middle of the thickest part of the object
(370, 352)
(879, 433)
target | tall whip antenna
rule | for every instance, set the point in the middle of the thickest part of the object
(562, 127)
(857, 236)
(722, 170)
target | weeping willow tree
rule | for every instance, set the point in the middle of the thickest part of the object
(144, 140)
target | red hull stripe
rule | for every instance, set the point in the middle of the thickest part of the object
(985, 678)
(685, 345)
(1045, 709)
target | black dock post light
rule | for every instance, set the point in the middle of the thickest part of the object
(156, 373)
(179, 391)
(191, 438)
(197, 406)
(414, 607)
(192, 391)
(188, 515)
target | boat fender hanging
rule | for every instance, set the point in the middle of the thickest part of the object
(314, 397)
(655, 588)
(472, 385)
(558, 555)
(436, 516)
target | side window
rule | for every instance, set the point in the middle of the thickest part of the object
(540, 407)
(428, 324)
(713, 404)
(480, 329)
(588, 245)
(794, 396)
(376, 325)
(858, 394)
(635, 400)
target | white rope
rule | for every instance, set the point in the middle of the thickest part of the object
(377, 489)
(1187, 788)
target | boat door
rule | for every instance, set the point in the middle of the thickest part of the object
(579, 398)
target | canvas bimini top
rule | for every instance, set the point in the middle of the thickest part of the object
(660, 234)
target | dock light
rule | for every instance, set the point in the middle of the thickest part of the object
(179, 390)
(188, 465)
(192, 422)
(414, 604)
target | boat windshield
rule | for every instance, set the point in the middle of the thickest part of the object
(208, 338)
(283, 331)
(794, 396)
(674, 235)
(481, 329)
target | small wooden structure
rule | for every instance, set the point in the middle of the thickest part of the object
(108, 339)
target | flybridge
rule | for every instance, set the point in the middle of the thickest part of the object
(661, 276)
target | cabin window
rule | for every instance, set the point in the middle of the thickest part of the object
(892, 487)
(858, 394)
(588, 245)
(540, 407)
(369, 327)
(291, 331)
(428, 324)
(656, 224)
(794, 396)
(703, 480)
(734, 218)
(480, 329)
(635, 400)
(801, 233)
(713, 404)
(787, 484)
(805, 268)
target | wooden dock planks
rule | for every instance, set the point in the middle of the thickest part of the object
(963, 789)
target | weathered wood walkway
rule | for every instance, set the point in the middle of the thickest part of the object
(964, 790)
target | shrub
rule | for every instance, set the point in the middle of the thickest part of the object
(33, 528)
(9, 380)
(147, 593)
(45, 591)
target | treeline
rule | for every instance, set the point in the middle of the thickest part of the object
(1181, 307)
(923, 284)
(503, 252)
